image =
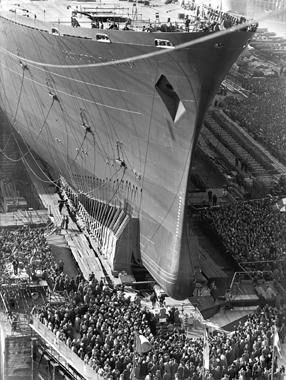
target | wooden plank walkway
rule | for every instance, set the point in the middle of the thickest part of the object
(47, 192)
(245, 297)
(57, 240)
(84, 255)
(104, 261)
(224, 318)
(76, 241)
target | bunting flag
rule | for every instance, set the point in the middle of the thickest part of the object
(142, 344)
(206, 351)
(276, 343)
(280, 205)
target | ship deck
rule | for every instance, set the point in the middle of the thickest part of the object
(60, 11)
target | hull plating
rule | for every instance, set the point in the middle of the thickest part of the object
(129, 123)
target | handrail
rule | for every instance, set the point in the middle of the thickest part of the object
(4, 303)
(255, 271)
(262, 261)
(64, 351)
(247, 273)
(216, 17)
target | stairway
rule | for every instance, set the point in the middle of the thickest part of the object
(236, 149)
(227, 144)
(215, 144)
(250, 146)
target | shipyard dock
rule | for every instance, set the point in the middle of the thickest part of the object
(41, 354)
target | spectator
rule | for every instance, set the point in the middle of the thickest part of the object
(262, 113)
(153, 299)
(66, 222)
(106, 323)
(210, 194)
(214, 200)
(61, 205)
(213, 291)
(31, 253)
(251, 231)
(15, 264)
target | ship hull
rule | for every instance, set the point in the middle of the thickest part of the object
(115, 132)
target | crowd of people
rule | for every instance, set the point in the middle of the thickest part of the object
(263, 113)
(25, 253)
(199, 19)
(251, 231)
(100, 323)
(208, 19)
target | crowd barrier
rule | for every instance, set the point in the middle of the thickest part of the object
(69, 357)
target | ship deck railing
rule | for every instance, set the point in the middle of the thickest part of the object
(204, 24)
(209, 18)
(111, 11)
(157, 25)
